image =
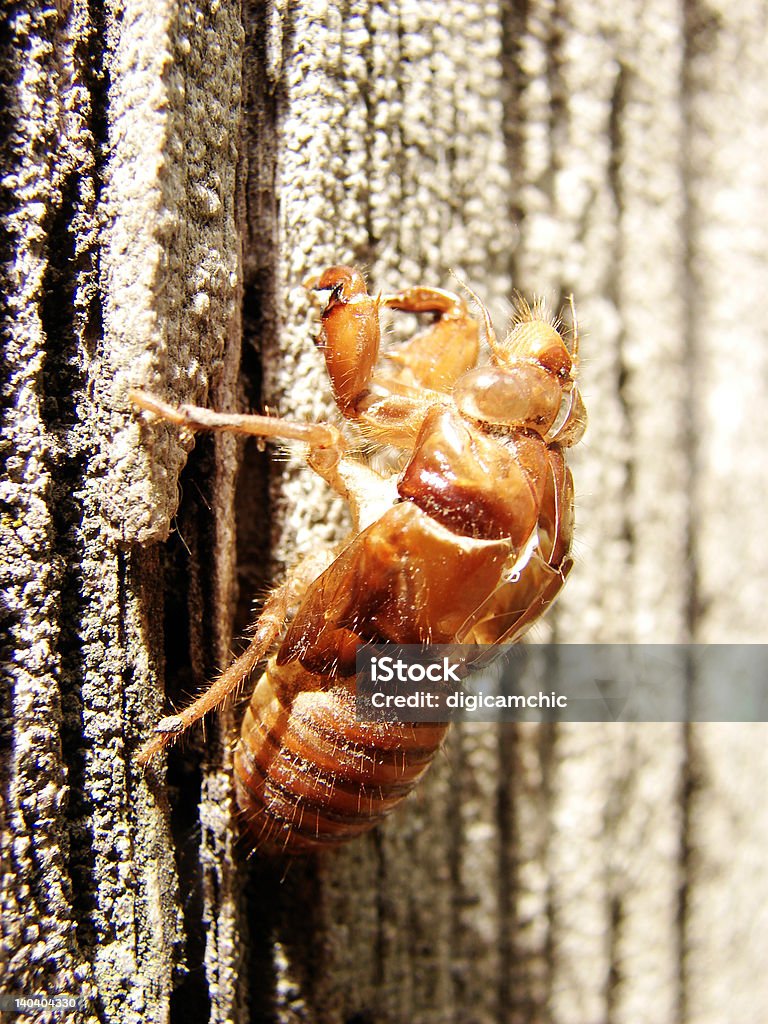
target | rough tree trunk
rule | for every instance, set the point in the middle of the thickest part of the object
(172, 172)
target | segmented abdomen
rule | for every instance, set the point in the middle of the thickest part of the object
(440, 566)
(308, 774)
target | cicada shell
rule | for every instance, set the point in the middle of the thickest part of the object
(469, 542)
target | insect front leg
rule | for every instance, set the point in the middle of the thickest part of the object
(391, 407)
(437, 356)
(350, 335)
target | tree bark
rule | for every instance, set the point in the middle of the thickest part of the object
(172, 173)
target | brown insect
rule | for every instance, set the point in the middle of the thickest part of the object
(468, 543)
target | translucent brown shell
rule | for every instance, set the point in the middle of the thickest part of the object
(469, 542)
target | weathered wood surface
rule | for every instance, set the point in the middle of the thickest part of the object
(172, 173)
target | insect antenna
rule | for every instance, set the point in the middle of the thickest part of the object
(575, 344)
(490, 332)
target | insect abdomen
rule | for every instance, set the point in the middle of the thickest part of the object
(309, 774)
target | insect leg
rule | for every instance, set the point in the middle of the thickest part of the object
(421, 299)
(325, 441)
(267, 630)
(350, 334)
(437, 356)
(268, 627)
(358, 484)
